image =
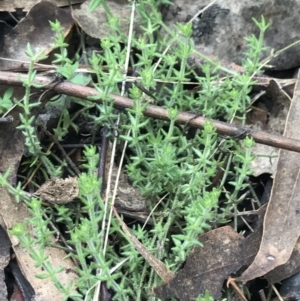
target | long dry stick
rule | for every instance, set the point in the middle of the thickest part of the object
(193, 120)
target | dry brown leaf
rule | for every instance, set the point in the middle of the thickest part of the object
(34, 29)
(281, 224)
(94, 23)
(11, 213)
(223, 252)
(280, 108)
(11, 150)
(25, 5)
(274, 125)
(288, 269)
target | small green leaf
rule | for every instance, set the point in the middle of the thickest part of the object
(82, 79)
(42, 276)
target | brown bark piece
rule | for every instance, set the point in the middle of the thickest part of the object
(282, 220)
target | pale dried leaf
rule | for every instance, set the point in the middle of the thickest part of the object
(267, 156)
(11, 213)
(288, 269)
(94, 23)
(40, 36)
(282, 220)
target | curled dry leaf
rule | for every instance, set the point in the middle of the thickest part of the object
(59, 191)
(282, 220)
(273, 122)
(288, 269)
(36, 30)
(25, 5)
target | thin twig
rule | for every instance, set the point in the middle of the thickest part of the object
(102, 163)
(104, 227)
(276, 292)
(65, 155)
